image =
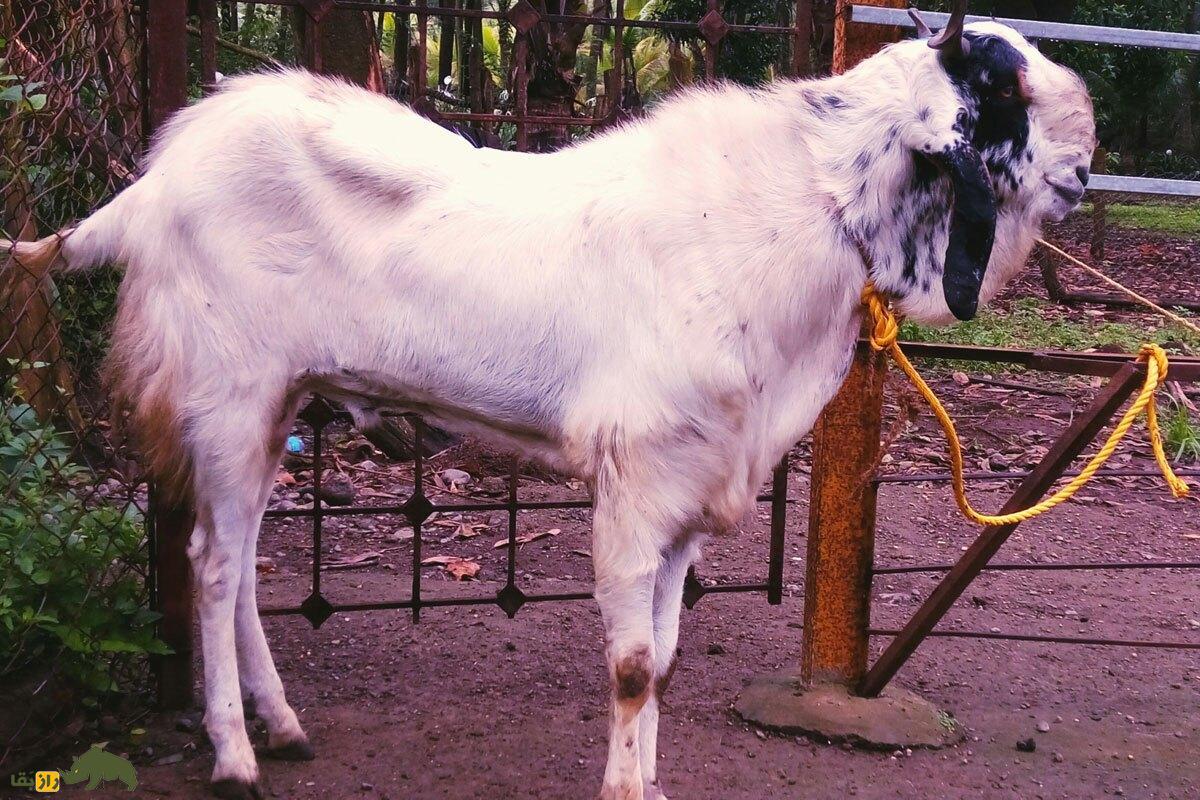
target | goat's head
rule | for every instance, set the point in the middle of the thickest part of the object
(1013, 131)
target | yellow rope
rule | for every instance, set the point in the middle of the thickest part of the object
(1171, 315)
(884, 333)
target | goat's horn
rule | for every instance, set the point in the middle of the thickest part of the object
(950, 41)
(923, 30)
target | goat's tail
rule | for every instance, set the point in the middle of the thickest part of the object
(94, 241)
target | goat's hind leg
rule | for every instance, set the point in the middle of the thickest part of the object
(231, 468)
(260, 682)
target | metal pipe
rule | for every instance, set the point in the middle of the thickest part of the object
(1060, 31)
(919, 568)
(1076, 640)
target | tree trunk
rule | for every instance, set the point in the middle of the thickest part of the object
(343, 45)
(1185, 134)
(551, 69)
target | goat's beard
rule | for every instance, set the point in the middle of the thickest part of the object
(1015, 237)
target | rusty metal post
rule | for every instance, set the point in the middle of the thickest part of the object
(166, 59)
(841, 527)
(841, 538)
(821, 699)
(852, 42)
(207, 11)
(171, 526)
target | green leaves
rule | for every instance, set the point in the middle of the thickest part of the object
(71, 592)
(23, 95)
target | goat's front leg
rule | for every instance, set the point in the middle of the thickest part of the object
(626, 561)
(259, 679)
(668, 601)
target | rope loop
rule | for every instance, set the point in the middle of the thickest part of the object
(884, 337)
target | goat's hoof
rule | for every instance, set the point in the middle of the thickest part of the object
(652, 791)
(628, 791)
(296, 750)
(233, 789)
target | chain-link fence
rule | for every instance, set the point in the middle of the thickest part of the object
(73, 590)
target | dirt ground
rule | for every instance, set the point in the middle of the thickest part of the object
(470, 704)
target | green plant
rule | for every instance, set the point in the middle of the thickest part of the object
(1033, 324)
(1182, 435)
(71, 594)
(1174, 218)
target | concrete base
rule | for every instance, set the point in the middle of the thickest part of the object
(897, 718)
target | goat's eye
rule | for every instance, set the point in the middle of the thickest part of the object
(1007, 92)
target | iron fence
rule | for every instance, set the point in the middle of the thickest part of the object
(73, 561)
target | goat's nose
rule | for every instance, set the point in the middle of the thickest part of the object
(1083, 173)
(1068, 183)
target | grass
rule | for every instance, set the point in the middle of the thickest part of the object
(1032, 324)
(1182, 436)
(1177, 219)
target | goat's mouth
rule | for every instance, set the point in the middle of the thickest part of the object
(1072, 195)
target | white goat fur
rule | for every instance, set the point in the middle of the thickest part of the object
(662, 310)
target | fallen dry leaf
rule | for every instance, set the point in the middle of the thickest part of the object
(457, 567)
(463, 570)
(469, 530)
(367, 559)
(526, 538)
(285, 478)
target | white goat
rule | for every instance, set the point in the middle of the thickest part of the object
(663, 309)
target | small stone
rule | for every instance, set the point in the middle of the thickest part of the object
(337, 490)
(188, 723)
(1058, 758)
(110, 725)
(715, 649)
(1043, 727)
(366, 787)
(174, 758)
(456, 477)
(1026, 745)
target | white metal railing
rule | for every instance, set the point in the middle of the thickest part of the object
(1061, 31)
(1068, 32)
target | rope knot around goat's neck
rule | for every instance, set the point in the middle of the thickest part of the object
(885, 328)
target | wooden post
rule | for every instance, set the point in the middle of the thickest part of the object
(1099, 208)
(166, 92)
(841, 532)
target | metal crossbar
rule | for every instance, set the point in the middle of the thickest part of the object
(1060, 31)
(1067, 32)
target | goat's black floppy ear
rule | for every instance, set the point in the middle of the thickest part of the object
(972, 229)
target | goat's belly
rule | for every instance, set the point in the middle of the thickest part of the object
(500, 413)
